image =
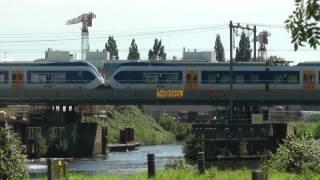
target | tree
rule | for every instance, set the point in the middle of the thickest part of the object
(303, 23)
(157, 53)
(218, 48)
(243, 52)
(13, 164)
(111, 47)
(133, 51)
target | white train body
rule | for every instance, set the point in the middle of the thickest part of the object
(65, 75)
(246, 76)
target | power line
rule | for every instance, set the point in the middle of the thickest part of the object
(120, 36)
(265, 25)
(110, 30)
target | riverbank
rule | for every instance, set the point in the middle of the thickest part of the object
(147, 130)
(192, 174)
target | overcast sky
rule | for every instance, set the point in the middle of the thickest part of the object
(124, 19)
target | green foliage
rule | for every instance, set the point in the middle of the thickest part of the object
(243, 52)
(55, 148)
(303, 23)
(43, 145)
(191, 147)
(181, 164)
(111, 47)
(192, 174)
(243, 148)
(133, 51)
(218, 47)
(297, 154)
(146, 129)
(169, 123)
(157, 52)
(13, 164)
(305, 127)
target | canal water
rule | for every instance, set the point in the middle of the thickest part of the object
(117, 163)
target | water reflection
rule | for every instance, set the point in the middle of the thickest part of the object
(121, 163)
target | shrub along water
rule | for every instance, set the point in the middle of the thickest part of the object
(13, 164)
(297, 154)
(180, 129)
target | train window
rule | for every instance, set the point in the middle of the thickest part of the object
(292, 79)
(39, 78)
(253, 78)
(169, 78)
(80, 74)
(195, 78)
(58, 78)
(224, 78)
(14, 77)
(239, 78)
(43, 78)
(150, 78)
(3, 76)
(211, 78)
(188, 77)
(278, 79)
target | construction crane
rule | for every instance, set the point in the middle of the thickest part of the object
(86, 20)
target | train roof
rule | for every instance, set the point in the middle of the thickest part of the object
(309, 63)
(44, 64)
(167, 63)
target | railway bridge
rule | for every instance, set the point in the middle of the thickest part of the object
(159, 96)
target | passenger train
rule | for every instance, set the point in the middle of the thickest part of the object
(55, 75)
(191, 76)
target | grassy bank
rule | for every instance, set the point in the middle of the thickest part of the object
(147, 130)
(307, 127)
(212, 174)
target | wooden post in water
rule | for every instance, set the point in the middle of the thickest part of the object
(201, 162)
(151, 165)
(50, 173)
(104, 140)
(258, 175)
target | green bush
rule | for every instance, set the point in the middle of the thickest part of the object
(297, 154)
(191, 147)
(317, 132)
(305, 127)
(180, 129)
(13, 164)
(146, 129)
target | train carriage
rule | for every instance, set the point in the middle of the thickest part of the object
(192, 76)
(64, 75)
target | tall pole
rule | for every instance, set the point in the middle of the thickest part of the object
(231, 75)
(254, 43)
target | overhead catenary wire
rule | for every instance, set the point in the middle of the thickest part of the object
(106, 31)
(119, 36)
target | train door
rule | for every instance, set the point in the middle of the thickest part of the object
(17, 80)
(191, 79)
(309, 79)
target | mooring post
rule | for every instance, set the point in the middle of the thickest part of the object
(201, 162)
(104, 139)
(151, 165)
(65, 170)
(258, 175)
(50, 173)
